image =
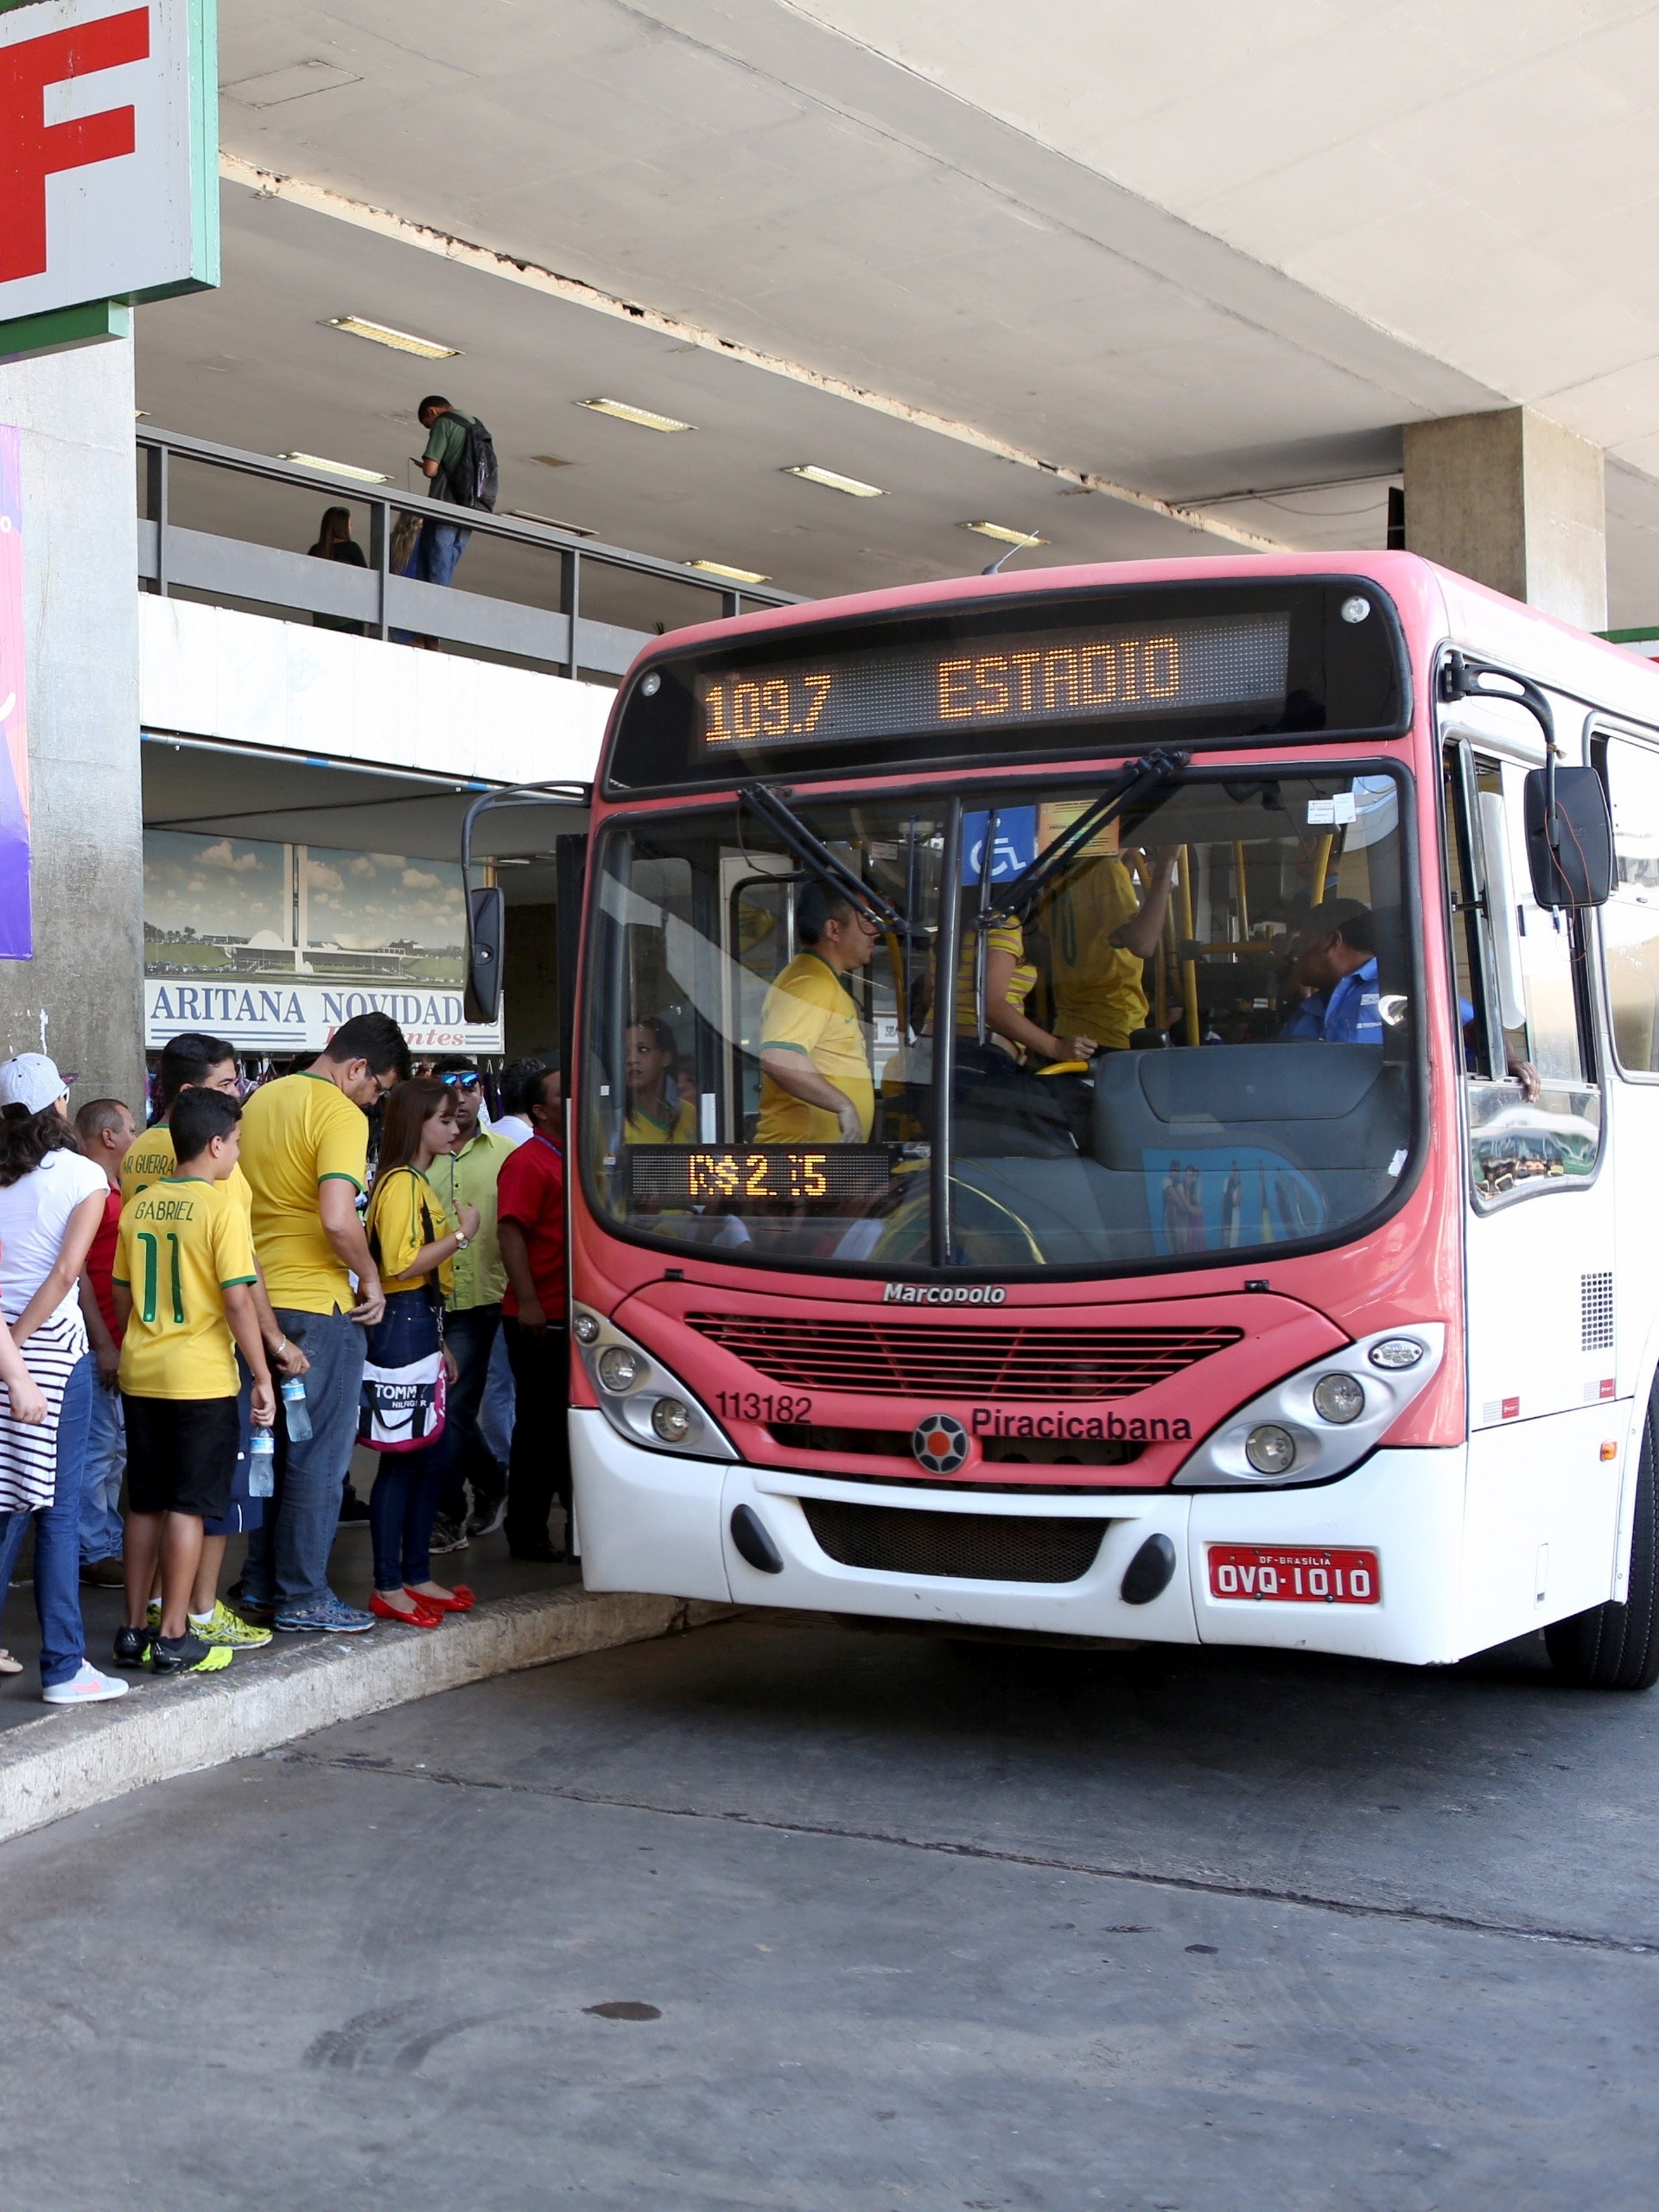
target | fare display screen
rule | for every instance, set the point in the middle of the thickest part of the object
(1053, 676)
(841, 1176)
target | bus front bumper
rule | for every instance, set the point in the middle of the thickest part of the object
(651, 1521)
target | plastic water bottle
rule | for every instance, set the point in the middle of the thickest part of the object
(262, 1465)
(295, 1412)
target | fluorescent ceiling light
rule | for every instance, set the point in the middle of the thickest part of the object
(401, 342)
(848, 483)
(335, 468)
(725, 569)
(1003, 534)
(551, 522)
(641, 418)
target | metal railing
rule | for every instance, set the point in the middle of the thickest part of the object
(172, 557)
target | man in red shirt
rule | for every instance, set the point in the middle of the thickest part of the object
(106, 1130)
(529, 1216)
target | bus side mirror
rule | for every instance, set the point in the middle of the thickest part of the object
(1570, 847)
(486, 934)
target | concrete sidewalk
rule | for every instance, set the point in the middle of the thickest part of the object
(65, 1761)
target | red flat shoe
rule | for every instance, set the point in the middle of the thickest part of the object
(424, 1615)
(459, 1600)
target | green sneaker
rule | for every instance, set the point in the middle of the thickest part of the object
(226, 1631)
(153, 1617)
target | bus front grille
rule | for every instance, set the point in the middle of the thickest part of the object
(960, 1359)
(960, 1546)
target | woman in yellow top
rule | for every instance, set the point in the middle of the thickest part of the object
(414, 1244)
(657, 1114)
(1009, 980)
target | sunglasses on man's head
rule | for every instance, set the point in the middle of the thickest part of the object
(462, 1079)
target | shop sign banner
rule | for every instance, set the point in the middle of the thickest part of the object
(17, 926)
(276, 1019)
(108, 152)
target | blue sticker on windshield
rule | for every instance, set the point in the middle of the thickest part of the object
(1217, 1201)
(1015, 845)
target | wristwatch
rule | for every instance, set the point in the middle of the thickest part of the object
(461, 1243)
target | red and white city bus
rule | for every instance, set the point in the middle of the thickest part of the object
(1319, 1308)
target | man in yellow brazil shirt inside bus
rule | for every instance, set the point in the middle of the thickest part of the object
(1100, 936)
(815, 1085)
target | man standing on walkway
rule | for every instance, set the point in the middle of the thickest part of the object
(106, 1128)
(472, 1314)
(445, 462)
(530, 1209)
(304, 1150)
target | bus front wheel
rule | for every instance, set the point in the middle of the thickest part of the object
(1615, 1647)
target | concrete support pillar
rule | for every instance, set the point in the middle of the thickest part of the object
(1516, 502)
(80, 997)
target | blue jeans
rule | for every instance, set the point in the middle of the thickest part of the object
(100, 1488)
(57, 1538)
(495, 1415)
(402, 1505)
(287, 1564)
(441, 546)
(471, 1336)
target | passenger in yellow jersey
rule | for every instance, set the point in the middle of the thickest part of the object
(1010, 979)
(1100, 936)
(656, 1113)
(815, 1085)
(182, 1280)
(194, 1062)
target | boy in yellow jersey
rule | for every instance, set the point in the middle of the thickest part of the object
(182, 1280)
(815, 1085)
(190, 1062)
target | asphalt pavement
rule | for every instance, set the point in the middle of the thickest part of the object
(779, 1914)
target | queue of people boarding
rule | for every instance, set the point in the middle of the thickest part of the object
(201, 1321)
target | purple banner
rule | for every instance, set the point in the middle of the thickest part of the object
(17, 924)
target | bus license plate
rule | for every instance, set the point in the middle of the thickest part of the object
(1297, 1577)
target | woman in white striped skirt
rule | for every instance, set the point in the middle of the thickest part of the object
(52, 1199)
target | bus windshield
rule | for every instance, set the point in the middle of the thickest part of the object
(1198, 1037)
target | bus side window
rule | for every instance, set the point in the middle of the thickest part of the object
(1630, 921)
(1468, 975)
(1534, 1113)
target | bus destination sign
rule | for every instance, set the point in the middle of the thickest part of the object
(837, 1176)
(1049, 675)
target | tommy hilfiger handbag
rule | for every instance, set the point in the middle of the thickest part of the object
(401, 1406)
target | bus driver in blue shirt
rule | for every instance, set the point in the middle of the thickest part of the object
(1335, 961)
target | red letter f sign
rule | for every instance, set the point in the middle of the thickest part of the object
(31, 150)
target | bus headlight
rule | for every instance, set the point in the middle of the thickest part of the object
(1322, 1421)
(638, 1396)
(619, 1367)
(1338, 1399)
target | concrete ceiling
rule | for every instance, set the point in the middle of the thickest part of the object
(1196, 252)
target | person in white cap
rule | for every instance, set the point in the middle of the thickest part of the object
(52, 1200)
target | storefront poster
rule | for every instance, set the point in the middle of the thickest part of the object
(274, 945)
(16, 927)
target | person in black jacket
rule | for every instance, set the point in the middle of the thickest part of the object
(335, 542)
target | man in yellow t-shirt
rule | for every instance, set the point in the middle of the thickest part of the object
(815, 1085)
(182, 1280)
(304, 1152)
(1100, 936)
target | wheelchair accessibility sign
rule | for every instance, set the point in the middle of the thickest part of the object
(996, 850)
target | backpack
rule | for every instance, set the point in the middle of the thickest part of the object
(475, 478)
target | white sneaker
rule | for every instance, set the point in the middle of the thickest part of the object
(86, 1688)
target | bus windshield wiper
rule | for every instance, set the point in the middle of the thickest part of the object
(1135, 780)
(832, 871)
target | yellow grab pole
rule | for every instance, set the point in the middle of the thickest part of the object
(1189, 967)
